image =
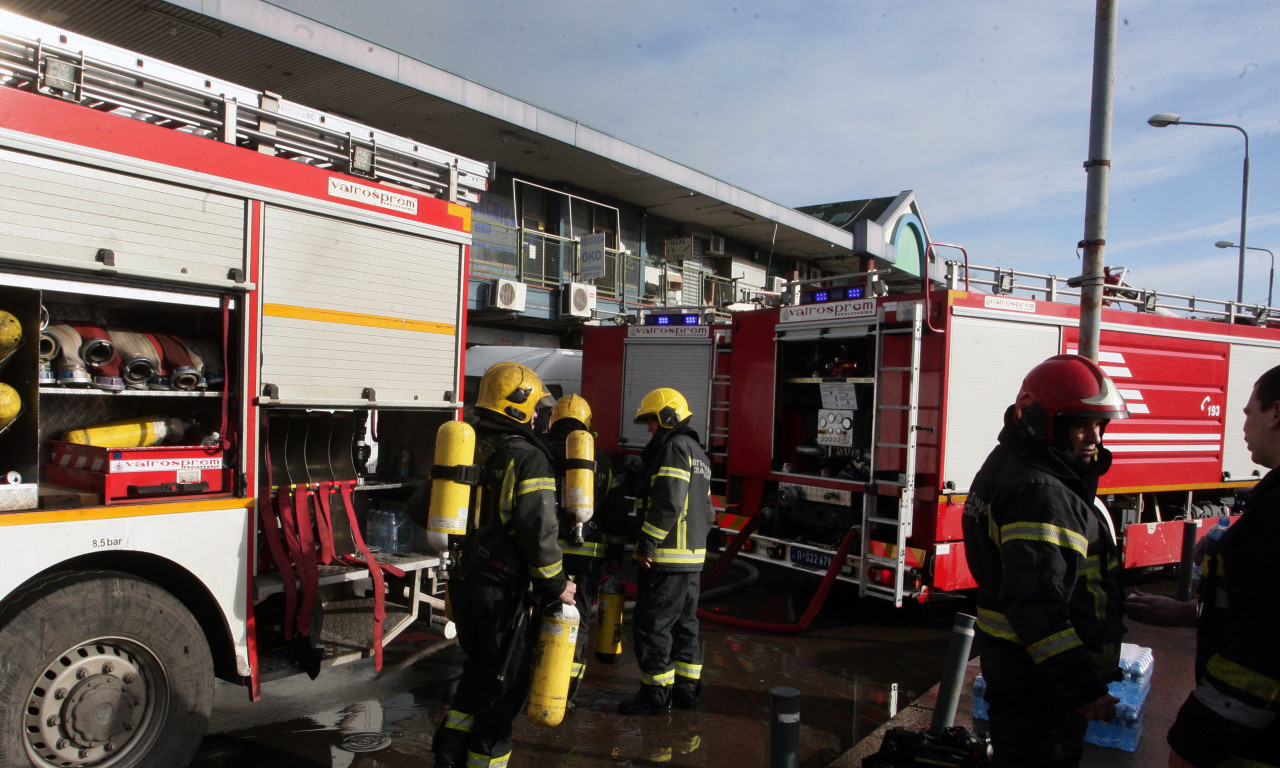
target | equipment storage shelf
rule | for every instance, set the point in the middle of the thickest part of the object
(123, 372)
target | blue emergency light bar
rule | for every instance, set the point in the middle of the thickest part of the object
(678, 318)
(838, 293)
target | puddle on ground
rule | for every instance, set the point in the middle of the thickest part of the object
(856, 666)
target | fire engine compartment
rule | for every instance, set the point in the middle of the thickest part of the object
(61, 391)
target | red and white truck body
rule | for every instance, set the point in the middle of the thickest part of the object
(861, 421)
(316, 271)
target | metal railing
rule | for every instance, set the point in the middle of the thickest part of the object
(542, 259)
(999, 280)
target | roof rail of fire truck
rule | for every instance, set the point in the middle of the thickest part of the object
(873, 283)
(998, 280)
(706, 313)
(48, 60)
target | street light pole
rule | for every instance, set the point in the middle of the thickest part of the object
(1164, 119)
(1271, 277)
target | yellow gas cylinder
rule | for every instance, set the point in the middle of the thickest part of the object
(450, 496)
(579, 479)
(609, 621)
(553, 664)
(141, 432)
(10, 333)
(10, 405)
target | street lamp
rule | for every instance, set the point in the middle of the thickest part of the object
(1164, 119)
(1271, 278)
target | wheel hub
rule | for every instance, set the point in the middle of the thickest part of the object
(87, 706)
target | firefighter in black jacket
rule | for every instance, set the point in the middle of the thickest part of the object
(513, 545)
(584, 558)
(1232, 717)
(674, 502)
(1049, 600)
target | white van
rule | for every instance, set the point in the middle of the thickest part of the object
(559, 369)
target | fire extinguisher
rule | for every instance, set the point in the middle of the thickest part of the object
(553, 664)
(609, 622)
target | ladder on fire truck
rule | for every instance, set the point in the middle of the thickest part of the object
(893, 559)
(42, 59)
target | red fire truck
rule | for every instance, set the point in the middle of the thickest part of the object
(847, 421)
(216, 306)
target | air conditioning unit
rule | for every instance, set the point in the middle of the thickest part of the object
(507, 294)
(577, 300)
(777, 284)
(716, 247)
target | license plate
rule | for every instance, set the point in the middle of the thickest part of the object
(811, 559)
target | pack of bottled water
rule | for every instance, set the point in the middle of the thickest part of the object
(388, 530)
(1122, 731)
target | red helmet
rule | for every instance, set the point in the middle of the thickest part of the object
(1065, 385)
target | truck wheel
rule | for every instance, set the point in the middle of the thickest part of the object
(101, 669)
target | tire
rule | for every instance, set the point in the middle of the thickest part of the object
(101, 669)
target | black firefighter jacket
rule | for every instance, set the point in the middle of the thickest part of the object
(674, 501)
(518, 526)
(1233, 710)
(1049, 599)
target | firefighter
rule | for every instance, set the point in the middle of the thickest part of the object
(674, 505)
(512, 547)
(1230, 718)
(583, 559)
(1049, 601)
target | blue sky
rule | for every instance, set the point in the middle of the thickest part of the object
(982, 108)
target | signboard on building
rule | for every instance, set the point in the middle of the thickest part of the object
(677, 250)
(591, 256)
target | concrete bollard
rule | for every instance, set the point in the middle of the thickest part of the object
(784, 735)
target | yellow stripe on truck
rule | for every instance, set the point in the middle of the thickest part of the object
(356, 318)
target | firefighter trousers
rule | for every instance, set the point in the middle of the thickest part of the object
(666, 630)
(1029, 728)
(477, 728)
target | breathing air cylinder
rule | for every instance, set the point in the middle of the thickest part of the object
(553, 664)
(10, 406)
(10, 333)
(141, 432)
(609, 621)
(579, 479)
(450, 494)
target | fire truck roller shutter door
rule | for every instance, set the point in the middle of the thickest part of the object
(684, 366)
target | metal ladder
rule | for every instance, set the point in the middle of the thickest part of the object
(907, 482)
(718, 397)
(47, 60)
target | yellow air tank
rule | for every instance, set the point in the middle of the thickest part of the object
(580, 479)
(609, 621)
(10, 333)
(450, 496)
(10, 405)
(553, 664)
(141, 432)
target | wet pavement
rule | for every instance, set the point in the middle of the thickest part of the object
(859, 662)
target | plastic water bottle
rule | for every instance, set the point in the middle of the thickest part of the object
(375, 533)
(979, 698)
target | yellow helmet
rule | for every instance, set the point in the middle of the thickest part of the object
(666, 405)
(571, 407)
(512, 390)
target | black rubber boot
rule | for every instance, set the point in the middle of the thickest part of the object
(651, 700)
